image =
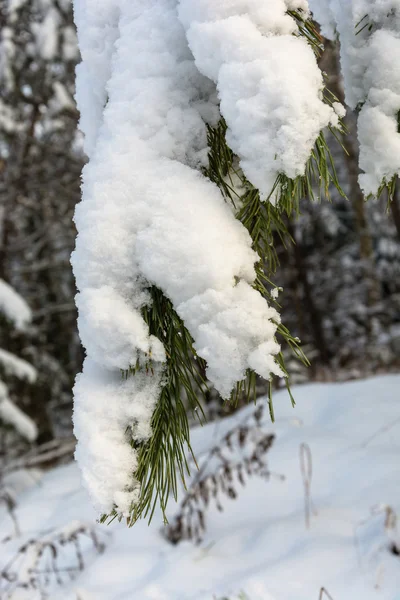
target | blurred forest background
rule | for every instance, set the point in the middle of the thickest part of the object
(340, 280)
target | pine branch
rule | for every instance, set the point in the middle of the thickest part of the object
(165, 453)
(265, 220)
(164, 457)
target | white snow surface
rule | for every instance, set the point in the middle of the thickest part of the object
(148, 216)
(259, 543)
(13, 306)
(268, 82)
(369, 32)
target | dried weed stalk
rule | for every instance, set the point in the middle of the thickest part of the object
(53, 558)
(240, 454)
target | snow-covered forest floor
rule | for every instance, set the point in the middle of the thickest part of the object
(348, 433)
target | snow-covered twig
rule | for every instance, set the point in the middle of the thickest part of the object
(39, 559)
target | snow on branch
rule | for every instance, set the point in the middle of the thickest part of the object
(14, 308)
(369, 33)
(268, 82)
(150, 220)
(14, 416)
(17, 312)
(17, 367)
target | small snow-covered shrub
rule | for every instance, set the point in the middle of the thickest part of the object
(52, 558)
(240, 454)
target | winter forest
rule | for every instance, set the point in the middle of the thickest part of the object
(199, 299)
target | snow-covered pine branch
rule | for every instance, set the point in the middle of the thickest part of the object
(13, 307)
(15, 311)
(369, 34)
(12, 415)
(17, 367)
(149, 218)
(268, 82)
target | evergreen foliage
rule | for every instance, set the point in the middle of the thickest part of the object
(164, 455)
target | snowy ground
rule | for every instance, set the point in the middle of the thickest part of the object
(260, 543)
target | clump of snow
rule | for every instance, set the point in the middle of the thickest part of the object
(106, 406)
(378, 121)
(369, 40)
(149, 217)
(268, 82)
(275, 292)
(14, 308)
(97, 33)
(233, 330)
(122, 335)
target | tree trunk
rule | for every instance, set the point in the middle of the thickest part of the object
(313, 314)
